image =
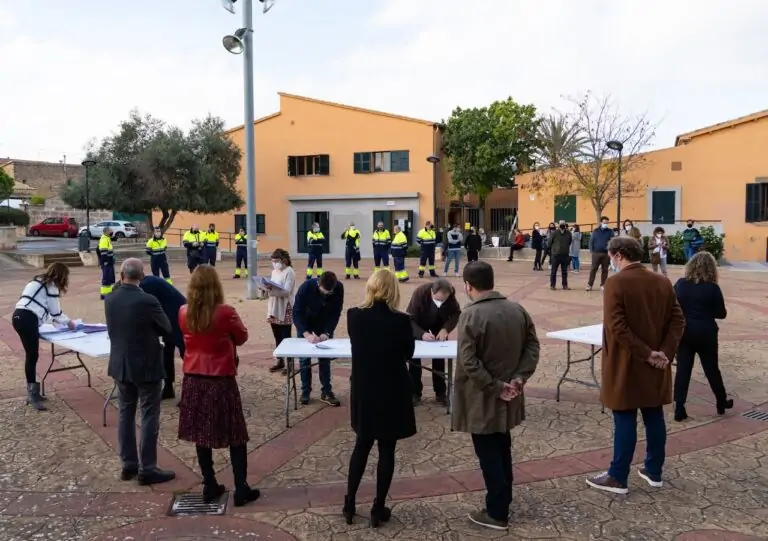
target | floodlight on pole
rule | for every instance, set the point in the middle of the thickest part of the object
(617, 146)
(88, 164)
(241, 42)
(434, 159)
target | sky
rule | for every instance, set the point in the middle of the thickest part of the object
(71, 71)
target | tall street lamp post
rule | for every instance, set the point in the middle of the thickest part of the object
(88, 164)
(618, 146)
(434, 159)
(241, 42)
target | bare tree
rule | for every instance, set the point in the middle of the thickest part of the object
(589, 168)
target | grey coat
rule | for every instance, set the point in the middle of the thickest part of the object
(135, 323)
(576, 243)
(497, 343)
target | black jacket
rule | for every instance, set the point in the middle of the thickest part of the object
(702, 304)
(473, 242)
(537, 241)
(171, 300)
(560, 242)
(135, 322)
(426, 316)
(381, 404)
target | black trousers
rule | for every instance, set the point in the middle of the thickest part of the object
(280, 332)
(438, 382)
(159, 265)
(27, 327)
(494, 452)
(705, 344)
(241, 259)
(512, 250)
(169, 355)
(472, 255)
(562, 262)
(537, 259)
(385, 469)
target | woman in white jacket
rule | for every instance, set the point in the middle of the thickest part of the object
(280, 304)
(38, 304)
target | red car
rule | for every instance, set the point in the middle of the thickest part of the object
(62, 226)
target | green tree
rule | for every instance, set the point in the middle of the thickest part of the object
(559, 141)
(6, 185)
(485, 147)
(148, 166)
(586, 166)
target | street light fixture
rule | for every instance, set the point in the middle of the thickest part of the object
(87, 164)
(241, 42)
(434, 159)
(617, 146)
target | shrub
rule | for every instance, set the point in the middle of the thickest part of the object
(10, 216)
(37, 200)
(585, 239)
(413, 251)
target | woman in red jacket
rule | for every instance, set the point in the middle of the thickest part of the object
(211, 412)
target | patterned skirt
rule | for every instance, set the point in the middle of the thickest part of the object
(211, 412)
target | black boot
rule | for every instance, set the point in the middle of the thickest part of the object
(33, 397)
(724, 405)
(379, 513)
(680, 413)
(349, 509)
(168, 392)
(243, 493)
(212, 490)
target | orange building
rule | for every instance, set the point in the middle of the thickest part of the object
(333, 164)
(716, 175)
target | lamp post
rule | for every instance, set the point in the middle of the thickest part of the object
(88, 164)
(241, 42)
(434, 159)
(618, 146)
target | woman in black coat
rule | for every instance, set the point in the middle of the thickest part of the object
(380, 396)
(537, 243)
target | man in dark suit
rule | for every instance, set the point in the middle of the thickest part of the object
(171, 300)
(135, 323)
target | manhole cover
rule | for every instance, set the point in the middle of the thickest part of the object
(191, 503)
(756, 415)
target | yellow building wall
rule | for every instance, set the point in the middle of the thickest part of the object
(306, 127)
(716, 167)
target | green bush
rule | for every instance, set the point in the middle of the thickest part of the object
(714, 243)
(37, 200)
(585, 239)
(413, 251)
(10, 216)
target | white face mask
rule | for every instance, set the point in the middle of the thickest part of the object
(277, 265)
(627, 227)
(658, 235)
(316, 229)
(614, 268)
(604, 226)
(437, 302)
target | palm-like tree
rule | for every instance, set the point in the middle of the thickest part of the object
(559, 141)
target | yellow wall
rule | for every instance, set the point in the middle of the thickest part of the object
(716, 167)
(307, 127)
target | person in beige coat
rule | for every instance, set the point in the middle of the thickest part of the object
(497, 352)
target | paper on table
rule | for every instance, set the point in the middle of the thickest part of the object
(71, 335)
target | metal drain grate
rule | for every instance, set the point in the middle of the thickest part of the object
(191, 503)
(756, 415)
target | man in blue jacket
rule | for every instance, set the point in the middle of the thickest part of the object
(598, 248)
(316, 312)
(171, 299)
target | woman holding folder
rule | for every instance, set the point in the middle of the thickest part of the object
(280, 305)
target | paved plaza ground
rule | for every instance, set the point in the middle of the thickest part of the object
(59, 469)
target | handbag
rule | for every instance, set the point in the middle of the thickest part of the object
(656, 258)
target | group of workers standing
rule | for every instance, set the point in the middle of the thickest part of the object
(384, 245)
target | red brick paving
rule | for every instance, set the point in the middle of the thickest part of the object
(197, 528)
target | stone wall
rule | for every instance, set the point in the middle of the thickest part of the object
(46, 178)
(54, 207)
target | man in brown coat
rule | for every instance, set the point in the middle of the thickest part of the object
(642, 327)
(497, 352)
(434, 313)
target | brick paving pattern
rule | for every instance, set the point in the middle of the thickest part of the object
(59, 469)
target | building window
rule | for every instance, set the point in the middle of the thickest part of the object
(565, 208)
(663, 207)
(473, 217)
(501, 219)
(757, 203)
(392, 161)
(309, 166)
(261, 223)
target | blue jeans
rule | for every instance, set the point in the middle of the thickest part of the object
(625, 441)
(575, 263)
(452, 255)
(688, 250)
(324, 369)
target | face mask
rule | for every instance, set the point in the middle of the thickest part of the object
(658, 235)
(562, 226)
(690, 225)
(614, 268)
(627, 228)
(316, 229)
(466, 292)
(604, 226)
(277, 265)
(536, 228)
(437, 302)
(158, 234)
(381, 228)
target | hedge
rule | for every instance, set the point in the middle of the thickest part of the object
(11, 216)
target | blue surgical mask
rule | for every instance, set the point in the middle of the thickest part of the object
(613, 266)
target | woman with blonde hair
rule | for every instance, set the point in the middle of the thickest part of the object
(702, 302)
(211, 412)
(380, 396)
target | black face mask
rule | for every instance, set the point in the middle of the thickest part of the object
(562, 227)
(690, 225)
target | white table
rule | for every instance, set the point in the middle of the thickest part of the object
(94, 345)
(591, 336)
(340, 348)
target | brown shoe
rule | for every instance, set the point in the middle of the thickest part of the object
(278, 366)
(606, 483)
(481, 518)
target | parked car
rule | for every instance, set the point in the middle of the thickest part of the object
(61, 226)
(120, 229)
